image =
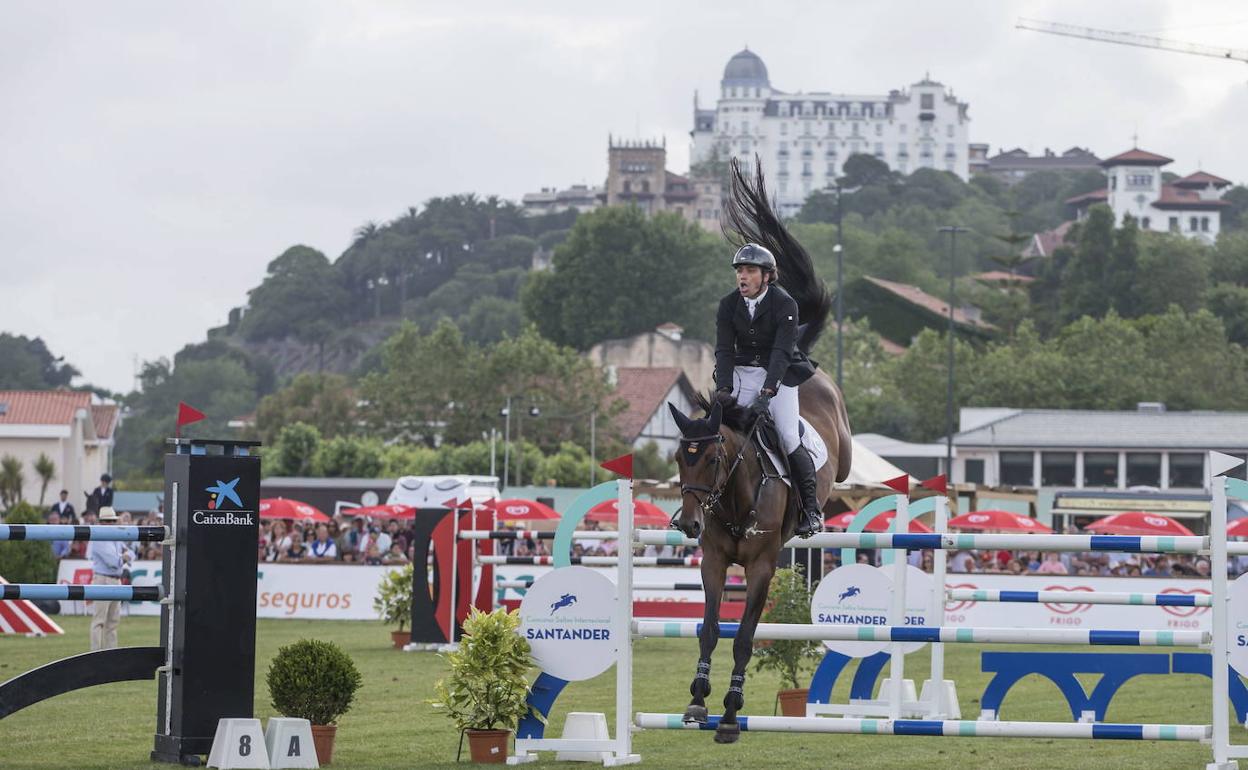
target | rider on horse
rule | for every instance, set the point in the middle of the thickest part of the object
(758, 363)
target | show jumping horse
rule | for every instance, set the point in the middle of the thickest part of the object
(733, 500)
(731, 495)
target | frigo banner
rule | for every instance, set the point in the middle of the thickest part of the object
(301, 591)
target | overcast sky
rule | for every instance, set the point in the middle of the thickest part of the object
(155, 156)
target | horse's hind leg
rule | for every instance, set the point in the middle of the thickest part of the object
(758, 579)
(714, 571)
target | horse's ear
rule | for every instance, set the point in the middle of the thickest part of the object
(716, 415)
(682, 422)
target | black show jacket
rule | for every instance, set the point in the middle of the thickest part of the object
(768, 340)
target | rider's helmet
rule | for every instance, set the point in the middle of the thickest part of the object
(753, 254)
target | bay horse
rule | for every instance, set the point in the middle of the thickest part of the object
(733, 500)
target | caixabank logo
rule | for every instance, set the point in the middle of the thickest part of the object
(225, 507)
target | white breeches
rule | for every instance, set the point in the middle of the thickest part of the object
(747, 381)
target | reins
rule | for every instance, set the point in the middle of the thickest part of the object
(714, 495)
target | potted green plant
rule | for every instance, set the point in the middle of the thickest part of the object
(394, 603)
(788, 602)
(316, 681)
(486, 692)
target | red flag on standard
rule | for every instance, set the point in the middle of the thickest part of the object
(623, 465)
(936, 484)
(187, 414)
(900, 484)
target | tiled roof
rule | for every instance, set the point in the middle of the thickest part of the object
(1043, 244)
(917, 296)
(105, 418)
(1201, 179)
(1121, 430)
(1178, 198)
(1137, 157)
(645, 389)
(42, 407)
(1089, 197)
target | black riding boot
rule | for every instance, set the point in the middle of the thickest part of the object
(803, 469)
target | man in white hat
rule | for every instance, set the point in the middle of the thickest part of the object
(108, 560)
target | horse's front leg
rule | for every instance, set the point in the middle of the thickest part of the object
(714, 571)
(758, 579)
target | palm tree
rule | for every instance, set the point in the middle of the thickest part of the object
(365, 232)
(46, 469)
(11, 481)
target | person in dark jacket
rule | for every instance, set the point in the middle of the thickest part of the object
(102, 496)
(758, 363)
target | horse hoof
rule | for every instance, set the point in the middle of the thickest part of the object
(727, 733)
(695, 714)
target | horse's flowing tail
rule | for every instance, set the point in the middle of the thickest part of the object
(751, 218)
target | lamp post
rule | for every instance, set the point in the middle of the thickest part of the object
(506, 413)
(533, 412)
(839, 248)
(953, 231)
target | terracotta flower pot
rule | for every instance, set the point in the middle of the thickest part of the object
(400, 638)
(323, 740)
(488, 746)
(793, 702)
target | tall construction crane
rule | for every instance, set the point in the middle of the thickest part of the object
(1131, 38)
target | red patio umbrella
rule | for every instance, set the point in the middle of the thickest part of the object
(281, 508)
(382, 511)
(880, 523)
(522, 510)
(1238, 528)
(994, 519)
(644, 514)
(1138, 523)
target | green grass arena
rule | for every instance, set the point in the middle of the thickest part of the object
(391, 725)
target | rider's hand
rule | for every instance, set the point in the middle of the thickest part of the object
(761, 404)
(724, 396)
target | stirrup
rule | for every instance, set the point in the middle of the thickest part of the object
(810, 525)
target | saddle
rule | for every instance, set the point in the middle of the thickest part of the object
(767, 438)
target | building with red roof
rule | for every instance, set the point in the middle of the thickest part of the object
(647, 391)
(1190, 206)
(70, 427)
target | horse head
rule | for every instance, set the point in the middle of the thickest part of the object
(702, 463)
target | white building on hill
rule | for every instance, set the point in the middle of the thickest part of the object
(805, 138)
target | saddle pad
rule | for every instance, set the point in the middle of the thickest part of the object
(813, 443)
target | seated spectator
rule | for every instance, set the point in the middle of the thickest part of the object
(279, 541)
(960, 560)
(395, 555)
(297, 550)
(322, 548)
(397, 535)
(1160, 568)
(1052, 565)
(373, 555)
(1014, 567)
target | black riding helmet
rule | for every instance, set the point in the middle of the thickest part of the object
(753, 254)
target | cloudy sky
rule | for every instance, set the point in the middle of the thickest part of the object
(155, 156)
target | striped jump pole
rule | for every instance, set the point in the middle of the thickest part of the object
(595, 561)
(741, 587)
(956, 541)
(70, 532)
(529, 534)
(1079, 597)
(952, 728)
(89, 593)
(821, 632)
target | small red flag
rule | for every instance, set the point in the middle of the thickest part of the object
(900, 484)
(187, 414)
(623, 465)
(936, 484)
(452, 504)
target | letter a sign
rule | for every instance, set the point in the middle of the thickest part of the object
(289, 742)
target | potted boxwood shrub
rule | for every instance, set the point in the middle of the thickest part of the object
(394, 603)
(788, 602)
(316, 681)
(485, 693)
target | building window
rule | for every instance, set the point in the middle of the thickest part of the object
(1015, 469)
(806, 168)
(645, 185)
(808, 128)
(1100, 469)
(628, 186)
(1187, 470)
(745, 126)
(733, 90)
(1204, 224)
(927, 102)
(1193, 224)
(879, 129)
(1144, 223)
(756, 91)
(784, 129)
(1143, 469)
(974, 472)
(1136, 181)
(1057, 469)
(831, 170)
(1174, 224)
(1113, 182)
(949, 130)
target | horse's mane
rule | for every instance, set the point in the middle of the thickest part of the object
(750, 217)
(734, 415)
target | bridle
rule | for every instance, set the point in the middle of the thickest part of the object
(715, 493)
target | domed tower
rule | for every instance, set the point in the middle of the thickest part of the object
(745, 76)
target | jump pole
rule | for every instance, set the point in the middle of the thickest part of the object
(1067, 597)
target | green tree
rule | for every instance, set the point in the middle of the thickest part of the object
(295, 451)
(604, 278)
(1229, 302)
(11, 481)
(1235, 215)
(348, 457)
(26, 561)
(300, 293)
(1121, 272)
(29, 365)
(568, 467)
(650, 462)
(861, 170)
(1083, 281)
(1172, 270)
(1229, 260)
(325, 401)
(45, 469)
